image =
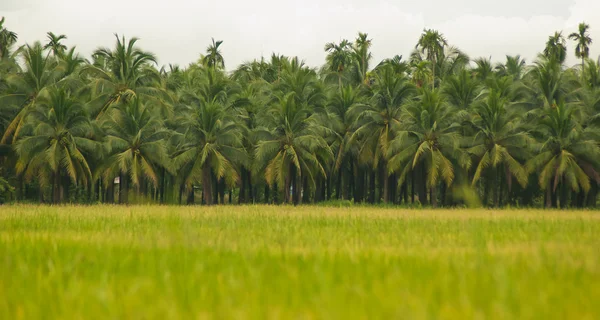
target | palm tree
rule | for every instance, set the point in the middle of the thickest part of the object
(483, 69)
(583, 40)
(556, 48)
(38, 75)
(211, 146)
(376, 121)
(499, 139)
(362, 56)
(58, 138)
(136, 147)
(427, 143)
(120, 75)
(213, 58)
(432, 44)
(568, 156)
(54, 44)
(340, 121)
(462, 89)
(514, 67)
(210, 140)
(339, 58)
(290, 146)
(7, 39)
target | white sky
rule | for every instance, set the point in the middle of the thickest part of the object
(179, 30)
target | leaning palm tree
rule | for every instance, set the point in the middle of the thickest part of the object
(583, 40)
(136, 144)
(54, 44)
(56, 141)
(432, 44)
(568, 156)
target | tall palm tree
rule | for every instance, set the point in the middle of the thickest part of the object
(210, 142)
(583, 40)
(556, 48)
(362, 57)
(377, 120)
(338, 58)
(136, 143)
(290, 146)
(428, 139)
(213, 58)
(55, 45)
(211, 146)
(38, 74)
(568, 156)
(7, 39)
(119, 75)
(57, 139)
(432, 44)
(499, 139)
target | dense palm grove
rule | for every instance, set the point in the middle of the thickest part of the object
(435, 129)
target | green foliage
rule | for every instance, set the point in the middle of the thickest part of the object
(273, 130)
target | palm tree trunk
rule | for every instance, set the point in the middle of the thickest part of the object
(412, 186)
(190, 196)
(56, 188)
(207, 185)
(549, 196)
(434, 201)
(386, 181)
(242, 195)
(267, 193)
(251, 190)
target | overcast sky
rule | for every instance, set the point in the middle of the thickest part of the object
(179, 30)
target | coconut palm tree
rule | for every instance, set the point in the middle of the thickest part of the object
(514, 67)
(210, 142)
(38, 74)
(57, 138)
(120, 75)
(427, 143)
(583, 40)
(568, 155)
(499, 139)
(54, 44)
(432, 43)
(556, 48)
(213, 58)
(290, 146)
(362, 57)
(377, 120)
(7, 39)
(338, 58)
(136, 147)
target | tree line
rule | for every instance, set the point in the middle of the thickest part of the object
(436, 129)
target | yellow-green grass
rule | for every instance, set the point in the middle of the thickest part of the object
(152, 262)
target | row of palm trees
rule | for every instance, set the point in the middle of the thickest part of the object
(435, 129)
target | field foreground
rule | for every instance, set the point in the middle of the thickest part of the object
(308, 262)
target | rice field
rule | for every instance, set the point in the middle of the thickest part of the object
(279, 262)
